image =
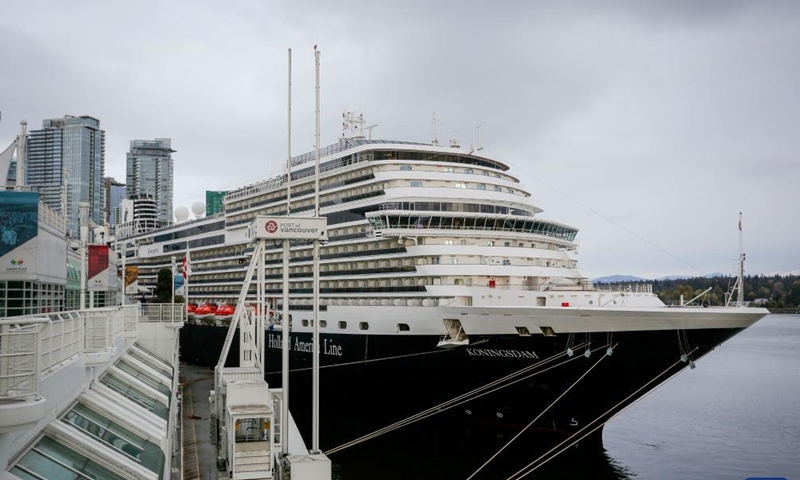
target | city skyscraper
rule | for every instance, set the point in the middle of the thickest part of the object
(65, 162)
(150, 171)
(115, 193)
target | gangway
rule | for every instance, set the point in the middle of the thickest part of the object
(248, 428)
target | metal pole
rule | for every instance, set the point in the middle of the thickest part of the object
(172, 275)
(741, 266)
(83, 210)
(315, 341)
(124, 271)
(286, 253)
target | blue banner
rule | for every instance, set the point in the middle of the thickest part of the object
(19, 219)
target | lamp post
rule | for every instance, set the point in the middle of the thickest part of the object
(84, 229)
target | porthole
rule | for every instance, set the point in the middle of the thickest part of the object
(304, 322)
(342, 324)
(403, 327)
(323, 323)
(363, 326)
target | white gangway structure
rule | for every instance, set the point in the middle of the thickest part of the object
(254, 434)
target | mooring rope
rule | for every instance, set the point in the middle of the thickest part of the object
(540, 414)
(483, 390)
(532, 466)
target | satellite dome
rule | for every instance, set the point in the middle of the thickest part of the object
(181, 214)
(198, 208)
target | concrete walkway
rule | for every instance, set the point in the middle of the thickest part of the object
(199, 456)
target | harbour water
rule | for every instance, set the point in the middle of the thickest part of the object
(736, 416)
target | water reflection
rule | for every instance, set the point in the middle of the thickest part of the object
(595, 466)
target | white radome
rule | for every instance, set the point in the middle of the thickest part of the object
(181, 214)
(198, 208)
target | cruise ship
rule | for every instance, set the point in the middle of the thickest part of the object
(455, 324)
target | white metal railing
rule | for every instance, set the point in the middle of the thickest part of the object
(34, 345)
(163, 312)
(19, 375)
(60, 339)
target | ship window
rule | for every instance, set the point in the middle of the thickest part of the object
(363, 326)
(490, 243)
(323, 323)
(416, 184)
(448, 242)
(449, 169)
(547, 331)
(403, 327)
(523, 331)
(481, 186)
(342, 324)
(405, 167)
(304, 322)
(468, 170)
(498, 189)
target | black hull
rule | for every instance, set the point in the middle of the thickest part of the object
(369, 382)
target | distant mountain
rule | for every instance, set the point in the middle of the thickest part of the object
(618, 279)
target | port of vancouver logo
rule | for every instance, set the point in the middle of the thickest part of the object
(17, 262)
(272, 226)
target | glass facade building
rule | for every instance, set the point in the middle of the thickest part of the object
(214, 202)
(66, 163)
(115, 193)
(150, 171)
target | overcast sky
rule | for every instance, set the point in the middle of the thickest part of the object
(647, 125)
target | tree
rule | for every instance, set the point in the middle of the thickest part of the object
(163, 293)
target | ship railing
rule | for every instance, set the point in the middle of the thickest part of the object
(619, 287)
(163, 312)
(280, 180)
(555, 287)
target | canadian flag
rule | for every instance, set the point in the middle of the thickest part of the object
(187, 266)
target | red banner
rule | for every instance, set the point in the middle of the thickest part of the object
(98, 259)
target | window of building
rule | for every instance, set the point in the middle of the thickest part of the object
(468, 170)
(448, 242)
(481, 186)
(490, 243)
(449, 170)
(497, 188)
(52, 459)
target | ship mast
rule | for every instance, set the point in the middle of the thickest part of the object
(740, 296)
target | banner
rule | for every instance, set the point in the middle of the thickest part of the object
(131, 280)
(19, 227)
(99, 276)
